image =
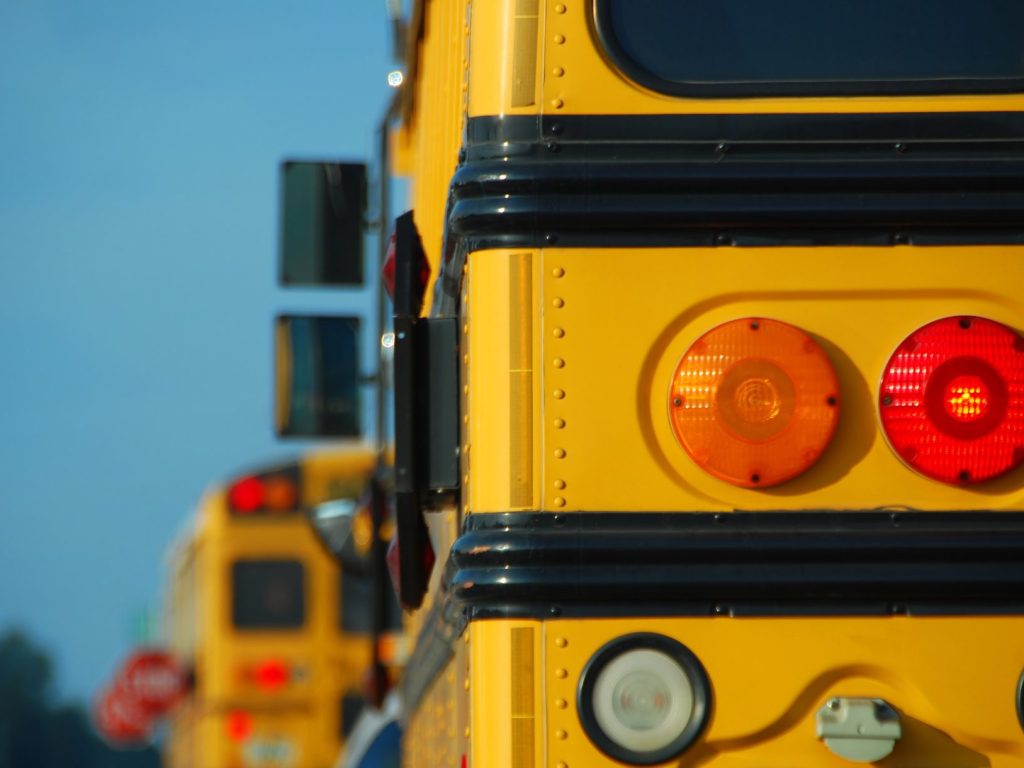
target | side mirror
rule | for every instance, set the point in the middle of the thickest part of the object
(322, 210)
(332, 523)
(317, 374)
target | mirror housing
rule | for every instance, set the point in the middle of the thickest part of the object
(323, 206)
(317, 375)
(332, 523)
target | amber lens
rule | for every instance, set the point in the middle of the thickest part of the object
(755, 402)
(279, 493)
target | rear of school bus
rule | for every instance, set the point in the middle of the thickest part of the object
(256, 608)
(738, 290)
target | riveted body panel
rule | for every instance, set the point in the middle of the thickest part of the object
(607, 328)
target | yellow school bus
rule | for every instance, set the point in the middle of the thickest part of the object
(712, 410)
(277, 635)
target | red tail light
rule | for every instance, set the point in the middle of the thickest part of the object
(952, 400)
(754, 402)
(239, 726)
(246, 495)
(276, 491)
(272, 675)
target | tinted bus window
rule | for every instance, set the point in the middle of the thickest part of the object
(355, 614)
(268, 594)
(752, 47)
(356, 610)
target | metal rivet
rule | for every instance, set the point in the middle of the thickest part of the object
(559, 501)
(559, 453)
(465, 389)
(558, 303)
(465, 419)
(558, 362)
(558, 394)
(465, 359)
(557, 103)
(558, 332)
(561, 765)
(465, 733)
(559, 39)
(559, 423)
(465, 479)
(558, 71)
(559, 484)
(561, 674)
(465, 687)
(465, 329)
(559, 8)
(561, 735)
(561, 642)
(557, 271)
(561, 703)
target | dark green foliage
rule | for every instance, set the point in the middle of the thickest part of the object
(38, 732)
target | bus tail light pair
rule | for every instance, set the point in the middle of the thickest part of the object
(273, 492)
(755, 402)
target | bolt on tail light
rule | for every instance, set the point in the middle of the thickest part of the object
(754, 402)
(951, 400)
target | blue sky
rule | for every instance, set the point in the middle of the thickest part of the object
(139, 144)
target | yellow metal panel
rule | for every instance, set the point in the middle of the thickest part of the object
(506, 694)
(952, 681)
(616, 323)
(503, 386)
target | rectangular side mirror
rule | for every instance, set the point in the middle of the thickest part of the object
(318, 378)
(322, 210)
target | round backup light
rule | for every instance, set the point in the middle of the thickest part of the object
(754, 402)
(951, 400)
(643, 699)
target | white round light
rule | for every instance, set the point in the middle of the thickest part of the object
(643, 700)
(396, 78)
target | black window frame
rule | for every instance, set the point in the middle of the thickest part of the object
(250, 625)
(605, 36)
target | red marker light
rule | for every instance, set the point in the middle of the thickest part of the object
(239, 726)
(952, 400)
(246, 495)
(388, 270)
(272, 675)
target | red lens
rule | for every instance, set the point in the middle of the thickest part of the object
(272, 675)
(246, 495)
(239, 725)
(952, 400)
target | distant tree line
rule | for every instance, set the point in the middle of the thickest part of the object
(36, 730)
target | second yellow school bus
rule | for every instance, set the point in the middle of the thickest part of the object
(277, 639)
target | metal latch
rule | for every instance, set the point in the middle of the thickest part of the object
(861, 730)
